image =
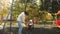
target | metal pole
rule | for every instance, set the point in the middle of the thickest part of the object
(11, 16)
(7, 18)
(25, 5)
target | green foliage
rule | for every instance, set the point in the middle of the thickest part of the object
(17, 8)
(33, 9)
(45, 15)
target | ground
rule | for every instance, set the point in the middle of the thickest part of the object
(34, 31)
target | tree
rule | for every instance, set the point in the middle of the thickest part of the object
(33, 9)
(4, 7)
(17, 8)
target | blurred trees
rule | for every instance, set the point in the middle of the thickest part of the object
(46, 15)
(18, 7)
(4, 8)
(32, 7)
(55, 6)
(51, 5)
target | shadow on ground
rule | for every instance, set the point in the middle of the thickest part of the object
(34, 31)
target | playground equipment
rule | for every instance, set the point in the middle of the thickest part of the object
(9, 13)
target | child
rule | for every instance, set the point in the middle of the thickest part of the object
(30, 25)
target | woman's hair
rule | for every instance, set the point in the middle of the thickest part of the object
(26, 13)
